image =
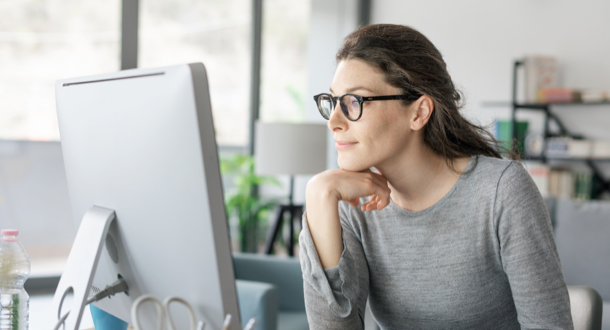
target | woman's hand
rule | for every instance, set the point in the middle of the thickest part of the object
(324, 191)
(351, 186)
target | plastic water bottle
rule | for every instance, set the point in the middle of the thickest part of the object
(14, 270)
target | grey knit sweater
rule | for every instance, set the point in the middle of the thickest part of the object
(483, 257)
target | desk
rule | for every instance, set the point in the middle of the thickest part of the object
(41, 315)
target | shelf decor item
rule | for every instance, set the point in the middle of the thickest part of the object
(593, 95)
(534, 144)
(540, 73)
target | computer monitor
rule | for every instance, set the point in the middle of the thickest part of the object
(141, 143)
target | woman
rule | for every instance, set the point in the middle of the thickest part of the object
(442, 233)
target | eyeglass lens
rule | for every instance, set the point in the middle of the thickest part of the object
(325, 105)
(350, 105)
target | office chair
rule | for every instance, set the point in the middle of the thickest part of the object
(586, 307)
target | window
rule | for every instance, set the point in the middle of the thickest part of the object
(284, 60)
(41, 42)
(216, 33)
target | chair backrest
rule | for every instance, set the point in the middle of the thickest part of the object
(581, 234)
(283, 272)
(586, 306)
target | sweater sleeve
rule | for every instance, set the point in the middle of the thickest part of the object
(528, 253)
(335, 298)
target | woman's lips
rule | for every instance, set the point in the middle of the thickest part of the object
(341, 145)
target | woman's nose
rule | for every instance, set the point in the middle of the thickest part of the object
(337, 120)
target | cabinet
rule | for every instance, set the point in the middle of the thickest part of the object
(547, 109)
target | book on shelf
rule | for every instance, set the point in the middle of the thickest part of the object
(557, 95)
(583, 186)
(566, 147)
(504, 132)
(540, 175)
(600, 149)
(561, 183)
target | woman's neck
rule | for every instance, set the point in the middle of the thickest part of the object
(421, 178)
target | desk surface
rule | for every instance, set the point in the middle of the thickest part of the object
(41, 314)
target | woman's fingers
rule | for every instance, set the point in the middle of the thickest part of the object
(375, 203)
(381, 198)
(366, 206)
(383, 203)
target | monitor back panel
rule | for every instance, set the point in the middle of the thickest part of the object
(141, 142)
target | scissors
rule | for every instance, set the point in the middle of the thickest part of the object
(162, 310)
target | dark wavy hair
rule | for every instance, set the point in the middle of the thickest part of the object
(413, 64)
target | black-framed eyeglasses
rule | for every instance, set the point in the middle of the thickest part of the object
(351, 104)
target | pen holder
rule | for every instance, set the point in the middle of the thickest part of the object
(105, 321)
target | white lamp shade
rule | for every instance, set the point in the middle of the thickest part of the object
(282, 148)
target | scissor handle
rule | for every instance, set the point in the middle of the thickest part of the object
(186, 304)
(136, 306)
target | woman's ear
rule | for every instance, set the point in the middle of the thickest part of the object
(422, 112)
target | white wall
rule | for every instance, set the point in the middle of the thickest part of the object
(480, 40)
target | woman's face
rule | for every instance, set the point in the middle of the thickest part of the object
(382, 133)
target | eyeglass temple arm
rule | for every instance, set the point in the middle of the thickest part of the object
(390, 97)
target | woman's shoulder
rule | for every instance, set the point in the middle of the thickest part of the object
(494, 167)
(503, 174)
(485, 175)
(492, 162)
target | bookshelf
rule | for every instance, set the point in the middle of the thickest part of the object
(546, 108)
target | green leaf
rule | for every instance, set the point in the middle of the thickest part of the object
(251, 211)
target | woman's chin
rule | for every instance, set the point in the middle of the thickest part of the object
(353, 166)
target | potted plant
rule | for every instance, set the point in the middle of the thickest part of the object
(243, 202)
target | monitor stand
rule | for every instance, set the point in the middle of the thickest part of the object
(81, 265)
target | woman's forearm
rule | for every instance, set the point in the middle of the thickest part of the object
(323, 222)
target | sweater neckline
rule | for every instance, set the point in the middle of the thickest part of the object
(467, 172)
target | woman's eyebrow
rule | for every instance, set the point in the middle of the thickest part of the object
(353, 89)
(358, 88)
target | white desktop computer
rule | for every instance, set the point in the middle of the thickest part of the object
(142, 170)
